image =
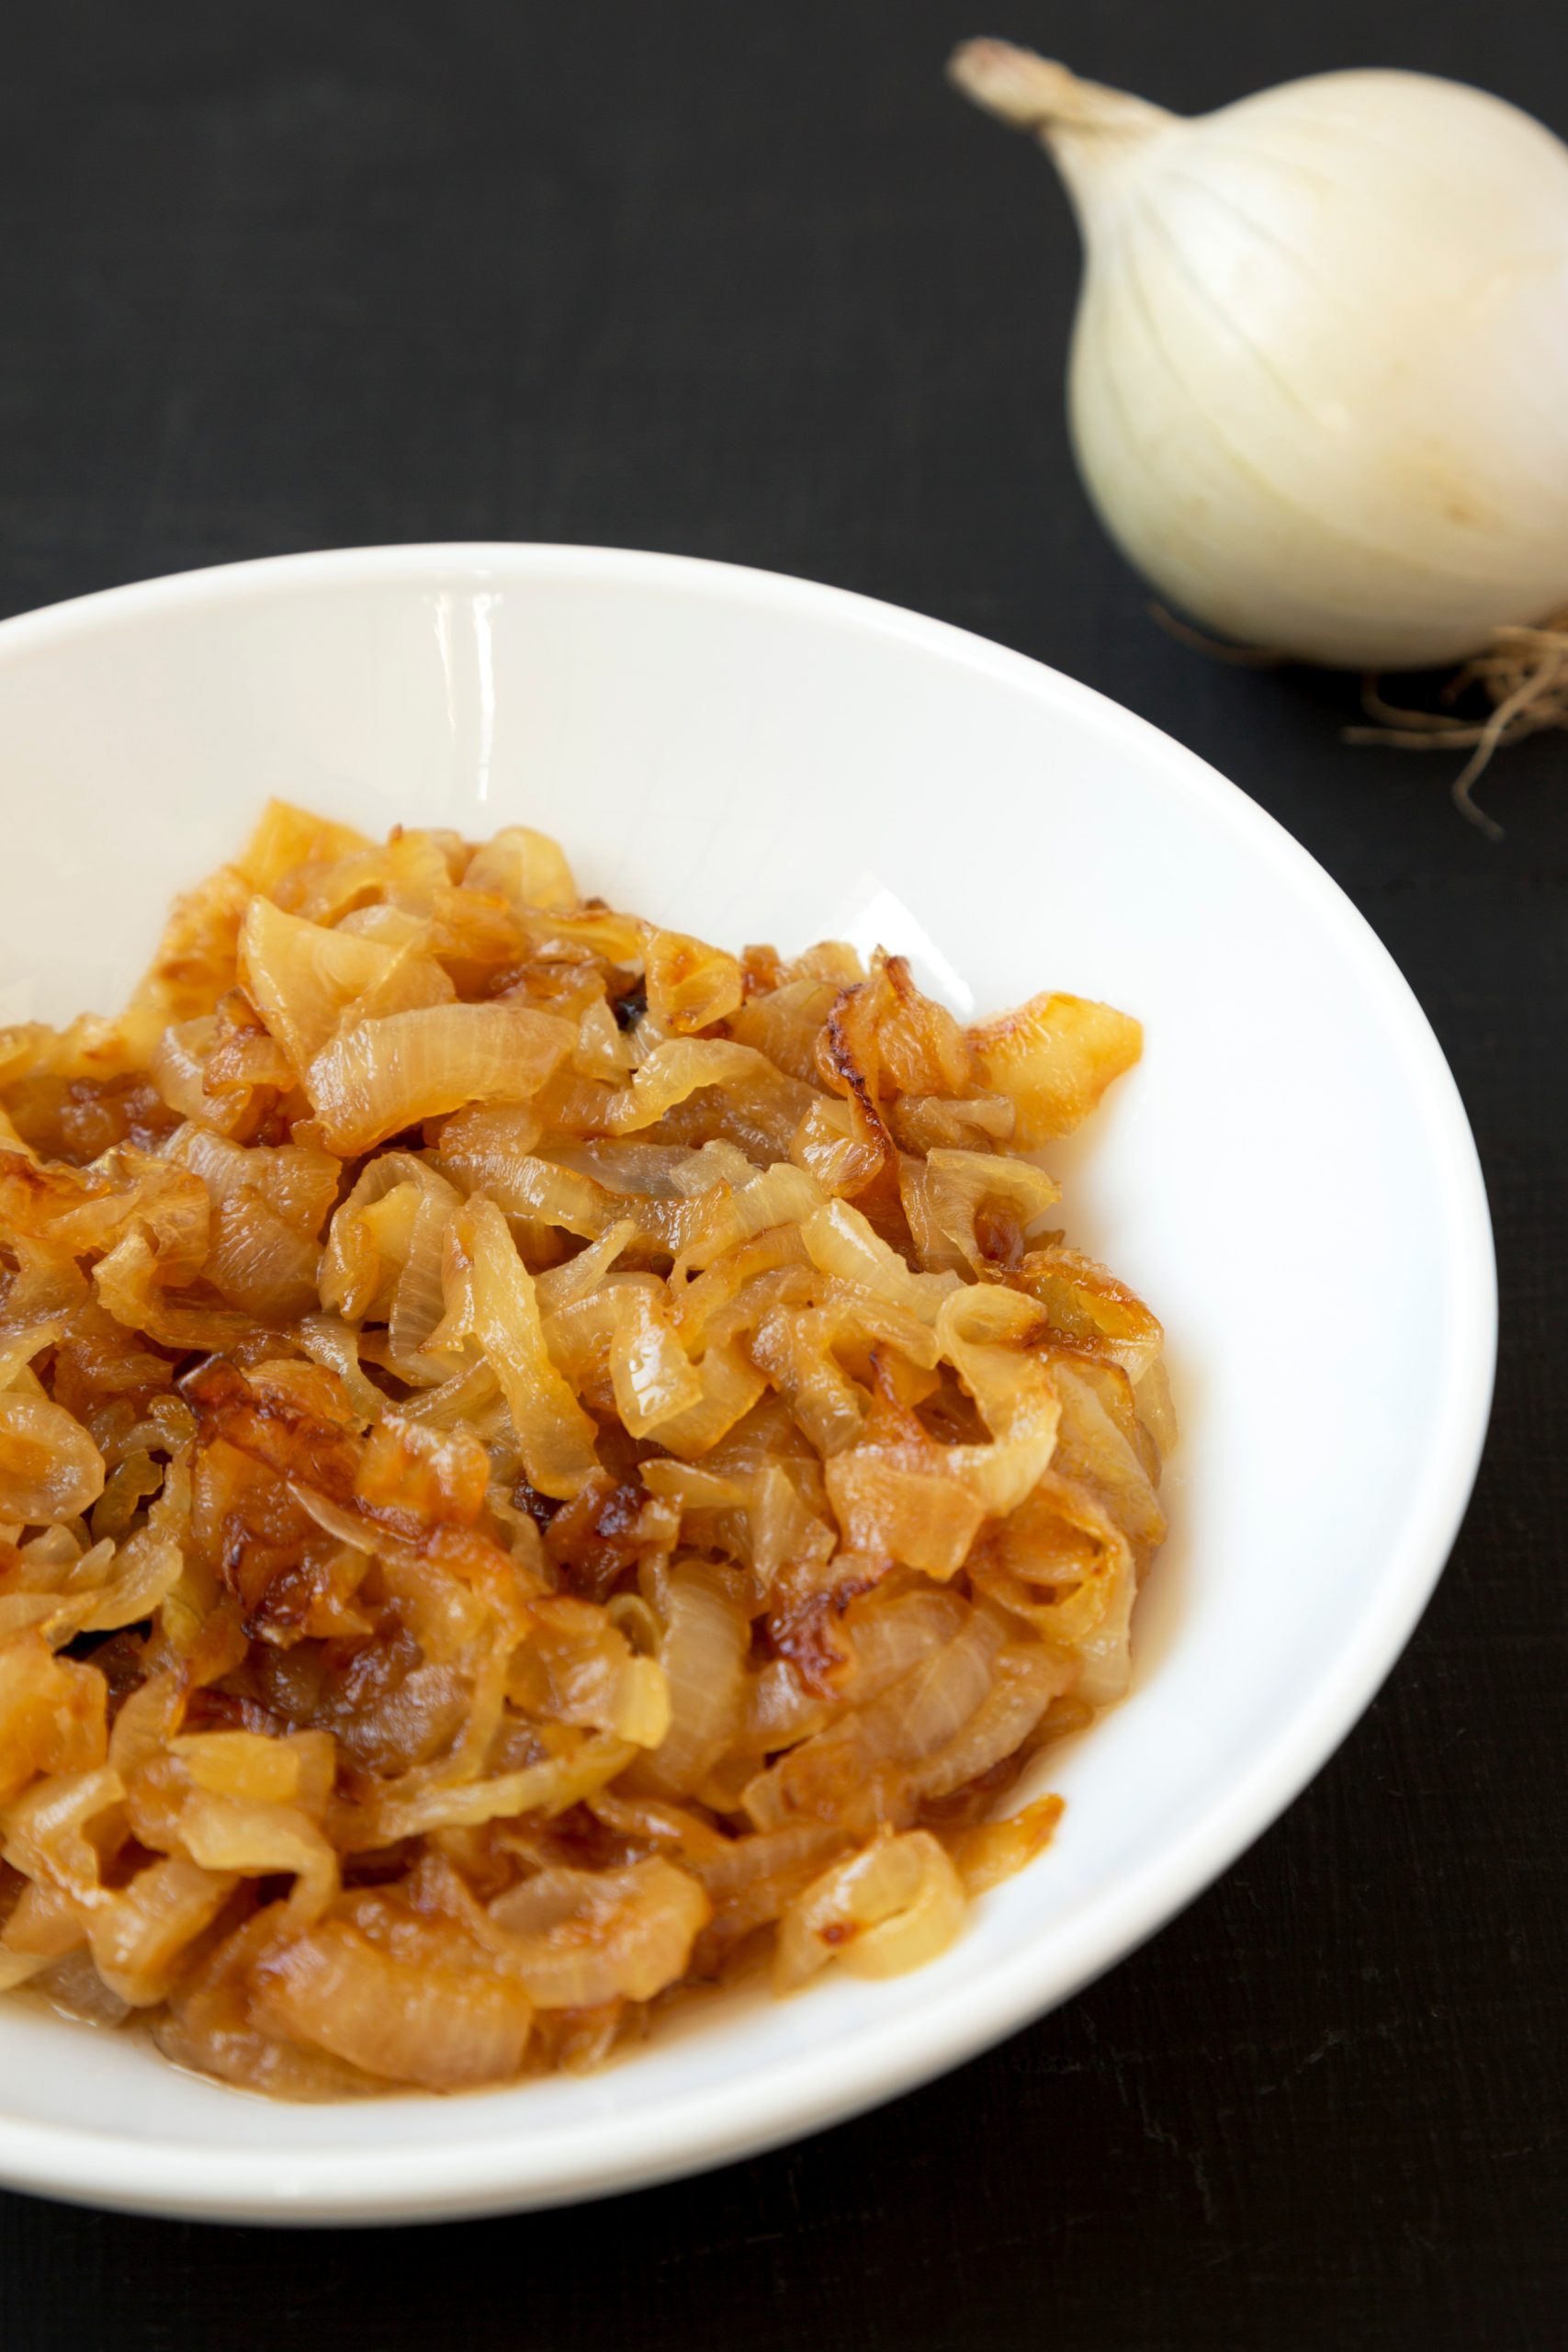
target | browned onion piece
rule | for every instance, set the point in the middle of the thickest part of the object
(382, 1075)
(578, 1938)
(448, 2028)
(895, 1497)
(703, 1652)
(525, 868)
(50, 1468)
(889, 1908)
(259, 1262)
(1053, 1058)
(750, 1881)
(690, 985)
(138, 1940)
(673, 1071)
(556, 1437)
(551, 1786)
(302, 978)
(289, 841)
(1028, 1679)
(51, 1714)
(994, 1850)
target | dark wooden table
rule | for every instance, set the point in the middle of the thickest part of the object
(747, 281)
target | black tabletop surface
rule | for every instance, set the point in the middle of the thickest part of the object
(749, 282)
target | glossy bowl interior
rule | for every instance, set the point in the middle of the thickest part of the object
(1288, 1179)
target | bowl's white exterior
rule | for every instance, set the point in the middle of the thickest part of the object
(1289, 1178)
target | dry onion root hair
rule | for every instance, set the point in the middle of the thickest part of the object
(1524, 674)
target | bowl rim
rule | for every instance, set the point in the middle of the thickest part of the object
(418, 2178)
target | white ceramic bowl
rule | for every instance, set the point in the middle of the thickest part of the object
(1289, 1178)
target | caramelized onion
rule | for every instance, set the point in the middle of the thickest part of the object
(51, 1714)
(994, 1850)
(570, 1450)
(525, 868)
(138, 1940)
(418, 2021)
(382, 1075)
(890, 1908)
(556, 1437)
(578, 1938)
(50, 1468)
(702, 1651)
(690, 985)
(1053, 1058)
(303, 977)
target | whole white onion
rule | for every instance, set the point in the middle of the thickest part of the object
(1319, 379)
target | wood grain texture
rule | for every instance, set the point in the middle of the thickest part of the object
(749, 282)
